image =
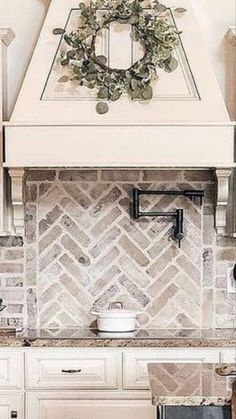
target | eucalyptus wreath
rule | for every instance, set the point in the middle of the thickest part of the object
(150, 28)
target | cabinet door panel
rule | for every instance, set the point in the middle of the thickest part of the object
(63, 407)
(11, 405)
(135, 372)
(11, 369)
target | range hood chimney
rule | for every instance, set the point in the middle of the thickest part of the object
(185, 125)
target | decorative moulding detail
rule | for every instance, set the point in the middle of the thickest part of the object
(16, 176)
(7, 35)
(222, 199)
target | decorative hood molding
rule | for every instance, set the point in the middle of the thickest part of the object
(185, 124)
(190, 94)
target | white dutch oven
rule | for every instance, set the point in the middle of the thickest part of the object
(116, 320)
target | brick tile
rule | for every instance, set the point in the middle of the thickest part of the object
(78, 175)
(40, 175)
(162, 175)
(120, 175)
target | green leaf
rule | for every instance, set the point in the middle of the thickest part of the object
(136, 94)
(102, 108)
(134, 36)
(90, 77)
(82, 6)
(101, 59)
(180, 10)
(134, 84)
(160, 8)
(173, 64)
(58, 31)
(68, 40)
(63, 79)
(71, 53)
(133, 19)
(65, 62)
(103, 93)
(116, 95)
(76, 69)
(147, 93)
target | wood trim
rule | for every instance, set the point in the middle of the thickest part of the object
(6, 37)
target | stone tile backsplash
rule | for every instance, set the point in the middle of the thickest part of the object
(82, 250)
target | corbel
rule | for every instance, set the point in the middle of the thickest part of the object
(222, 176)
(16, 176)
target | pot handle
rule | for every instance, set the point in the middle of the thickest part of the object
(94, 313)
(116, 304)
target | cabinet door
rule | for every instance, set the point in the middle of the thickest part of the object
(11, 406)
(11, 369)
(135, 371)
(228, 355)
(63, 406)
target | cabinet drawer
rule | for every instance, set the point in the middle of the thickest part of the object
(11, 369)
(228, 355)
(135, 372)
(73, 369)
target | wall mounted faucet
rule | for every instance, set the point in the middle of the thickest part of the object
(2, 307)
(177, 215)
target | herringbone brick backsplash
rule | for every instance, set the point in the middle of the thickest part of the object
(82, 250)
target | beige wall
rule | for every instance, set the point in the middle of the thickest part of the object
(25, 17)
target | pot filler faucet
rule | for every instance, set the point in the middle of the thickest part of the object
(2, 307)
(177, 233)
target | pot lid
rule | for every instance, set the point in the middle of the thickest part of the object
(119, 313)
(116, 309)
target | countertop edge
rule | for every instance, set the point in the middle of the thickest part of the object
(190, 401)
(117, 343)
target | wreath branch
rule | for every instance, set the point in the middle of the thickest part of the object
(157, 35)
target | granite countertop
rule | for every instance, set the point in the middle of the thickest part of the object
(192, 384)
(82, 337)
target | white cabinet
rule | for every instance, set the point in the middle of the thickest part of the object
(228, 355)
(11, 406)
(11, 369)
(135, 372)
(73, 369)
(87, 383)
(62, 405)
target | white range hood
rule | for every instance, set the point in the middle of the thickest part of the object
(186, 124)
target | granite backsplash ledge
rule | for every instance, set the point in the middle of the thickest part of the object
(82, 249)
